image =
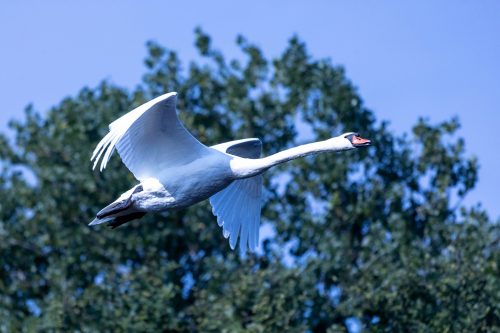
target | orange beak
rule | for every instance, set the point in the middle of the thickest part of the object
(358, 141)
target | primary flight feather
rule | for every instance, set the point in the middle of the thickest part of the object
(175, 170)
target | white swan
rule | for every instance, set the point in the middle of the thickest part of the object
(175, 170)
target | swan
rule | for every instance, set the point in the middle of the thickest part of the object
(175, 170)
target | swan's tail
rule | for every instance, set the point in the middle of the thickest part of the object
(120, 211)
(116, 221)
(97, 220)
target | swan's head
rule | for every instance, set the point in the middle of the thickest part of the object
(354, 140)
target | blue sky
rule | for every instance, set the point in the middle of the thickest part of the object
(408, 59)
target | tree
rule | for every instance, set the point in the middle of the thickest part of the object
(376, 237)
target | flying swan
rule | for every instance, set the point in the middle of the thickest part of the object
(175, 170)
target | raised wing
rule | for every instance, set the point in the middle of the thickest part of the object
(238, 206)
(149, 139)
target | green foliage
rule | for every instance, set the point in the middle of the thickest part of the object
(376, 234)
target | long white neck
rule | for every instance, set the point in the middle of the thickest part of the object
(243, 167)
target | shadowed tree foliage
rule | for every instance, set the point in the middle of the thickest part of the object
(373, 239)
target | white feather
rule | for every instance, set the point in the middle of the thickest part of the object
(150, 139)
(238, 207)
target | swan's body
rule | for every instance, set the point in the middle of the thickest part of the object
(176, 171)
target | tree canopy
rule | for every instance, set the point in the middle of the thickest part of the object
(374, 238)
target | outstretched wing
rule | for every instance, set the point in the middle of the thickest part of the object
(149, 139)
(238, 206)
